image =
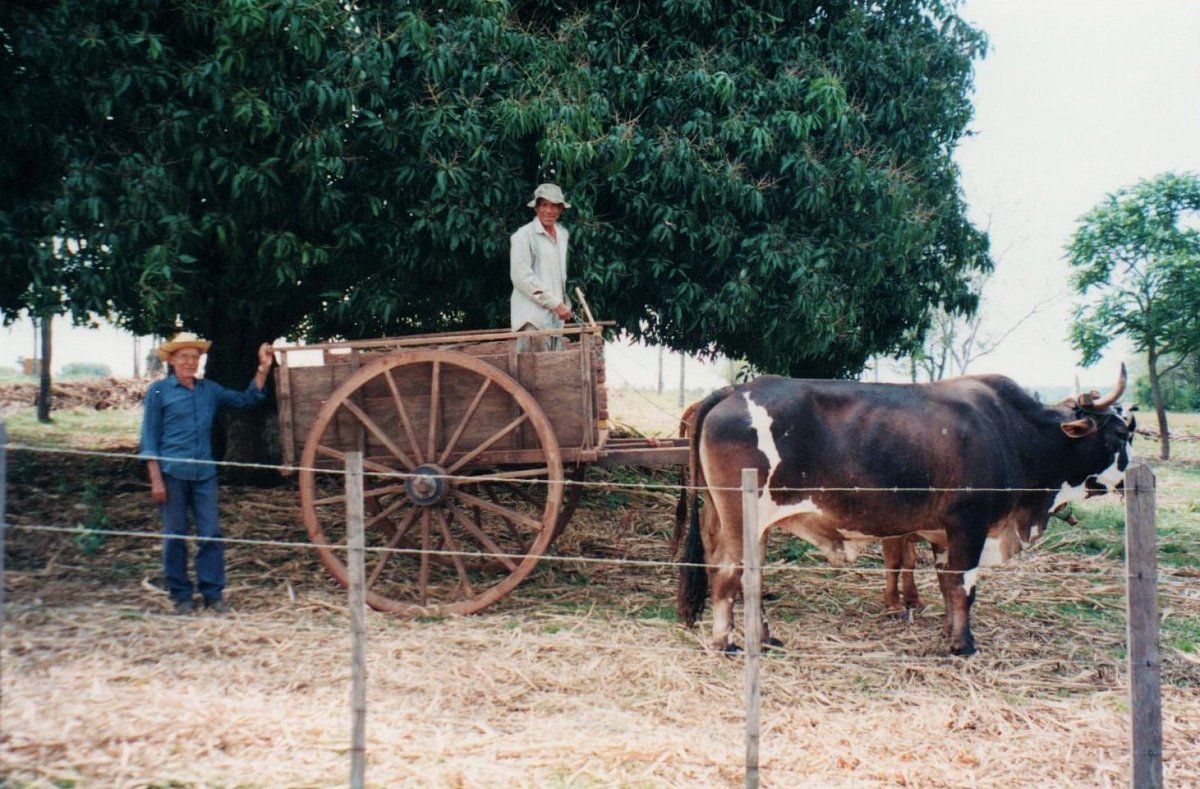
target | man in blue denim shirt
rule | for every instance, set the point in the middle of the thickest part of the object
(177, 423)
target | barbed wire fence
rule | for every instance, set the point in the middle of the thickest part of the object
(1141, 576)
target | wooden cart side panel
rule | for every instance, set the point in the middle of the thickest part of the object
(309, 388)
(553, 379)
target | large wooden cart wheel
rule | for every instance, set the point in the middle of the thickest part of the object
(463, 481)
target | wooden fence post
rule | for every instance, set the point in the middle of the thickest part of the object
(752, 606)
(355, 544)
(1141, 569)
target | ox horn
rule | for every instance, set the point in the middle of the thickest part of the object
(1111, 397)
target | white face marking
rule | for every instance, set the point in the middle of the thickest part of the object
(1111, 475)
(969, 579)
(1069, 494)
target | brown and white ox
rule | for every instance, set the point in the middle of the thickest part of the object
(975, 465)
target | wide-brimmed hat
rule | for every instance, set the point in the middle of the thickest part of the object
(550, 193)
(185, 339)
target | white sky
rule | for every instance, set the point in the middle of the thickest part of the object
(1076, 99)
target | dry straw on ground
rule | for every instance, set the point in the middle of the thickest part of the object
(578, 679)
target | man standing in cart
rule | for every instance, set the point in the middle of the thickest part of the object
(538, 269)
(177, 424)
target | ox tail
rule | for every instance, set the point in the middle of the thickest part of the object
(681, 513)
(692, 593)
(687, 422)
(693, 576)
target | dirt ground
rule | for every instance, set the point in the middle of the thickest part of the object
(580, 678)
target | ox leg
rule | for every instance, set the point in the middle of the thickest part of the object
(908, 576)
(900, 559)
(721, 529)
(900, 592)
(767, 640)
(956, 578)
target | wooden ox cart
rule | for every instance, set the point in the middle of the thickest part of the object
(468, 449)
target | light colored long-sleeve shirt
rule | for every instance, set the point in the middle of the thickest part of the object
(538, 269)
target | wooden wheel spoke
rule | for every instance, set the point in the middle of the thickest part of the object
(487, 542)
(455, 555)
(462, 425)
(368, 464)
(405, 422)
(385, 513)
(509, 526)
(474, 453)
(380, 436)
(519, 490)
(515, 516)
(386, 553)
(423, 572)
(435, 397)
(372, 493)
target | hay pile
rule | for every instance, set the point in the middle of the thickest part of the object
(99, 394)
(577, 679)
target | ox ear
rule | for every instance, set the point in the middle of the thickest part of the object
(1079, 428)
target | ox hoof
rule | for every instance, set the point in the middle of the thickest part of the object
(731, 649)
(963, 650)
(773, 643)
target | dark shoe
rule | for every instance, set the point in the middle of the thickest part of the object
(184, 607)
(217, 606)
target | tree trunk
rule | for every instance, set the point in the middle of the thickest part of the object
(250, 436)
(1159, 408)
(43, 398)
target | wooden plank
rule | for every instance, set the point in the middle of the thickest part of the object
(442, 339)
(1141, 568)
(649, 457)
(283, 405)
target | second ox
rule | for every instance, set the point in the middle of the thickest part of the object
(974, 464)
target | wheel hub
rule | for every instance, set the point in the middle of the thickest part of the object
(427, 485)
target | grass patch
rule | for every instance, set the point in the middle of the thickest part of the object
(77, 428)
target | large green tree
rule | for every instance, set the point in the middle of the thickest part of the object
(771, 181)
(768, 180)
(1137, 258)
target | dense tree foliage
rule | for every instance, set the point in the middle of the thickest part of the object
(1137, 257)
(769, 180)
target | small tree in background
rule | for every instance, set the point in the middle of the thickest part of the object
(1137, 255)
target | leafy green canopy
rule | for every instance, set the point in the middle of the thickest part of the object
(769, 180)
(1137, 256)
(1137, 263)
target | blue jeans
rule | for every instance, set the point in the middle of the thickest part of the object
(201, 498)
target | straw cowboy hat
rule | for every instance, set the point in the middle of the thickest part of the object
(551, 193)
(184, 339)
